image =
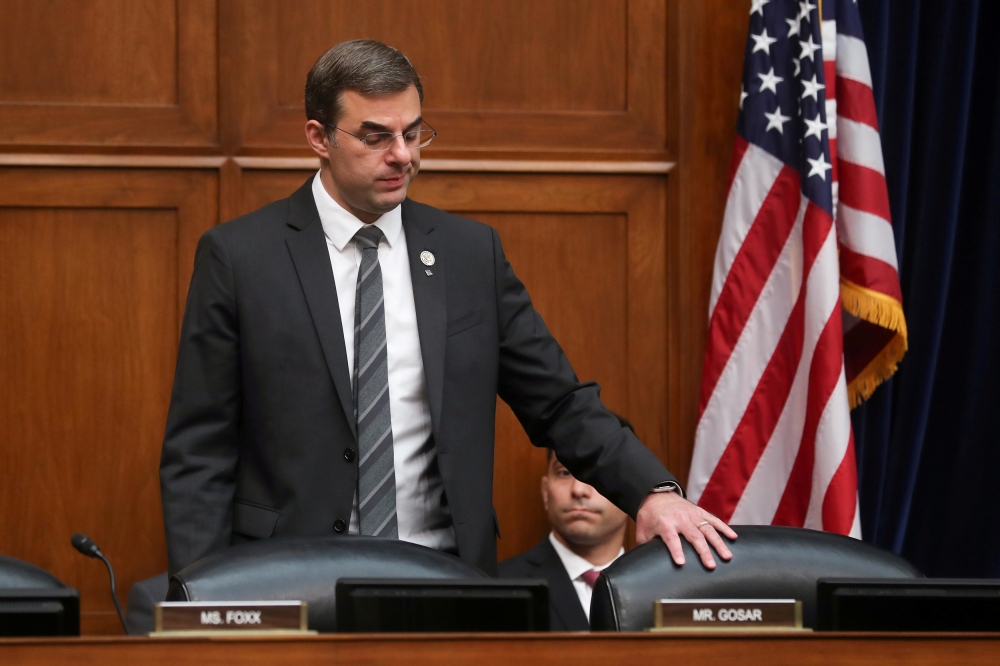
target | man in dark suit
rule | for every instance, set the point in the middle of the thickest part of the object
(342, 351)
(588, 535)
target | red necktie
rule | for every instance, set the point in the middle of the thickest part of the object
(590, 577)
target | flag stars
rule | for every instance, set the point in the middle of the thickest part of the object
(776, 121)
(811, 88)
(799, 103)
(816, 127)
(758, 6)
(818, 167)
(770, 82)
(805, 9)
(808, 49)
(794, 27)
(762, 42)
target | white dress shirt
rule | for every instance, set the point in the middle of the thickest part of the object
(575, 567)
(421, 509)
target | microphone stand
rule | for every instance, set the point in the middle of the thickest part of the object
(87, 547)
(114, 593)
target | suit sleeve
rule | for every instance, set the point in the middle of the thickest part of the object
(557, 410)
(198, 463)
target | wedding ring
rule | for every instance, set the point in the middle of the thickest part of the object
(704, 522)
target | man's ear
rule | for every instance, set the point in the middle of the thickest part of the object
(545, 492)
(319, 139)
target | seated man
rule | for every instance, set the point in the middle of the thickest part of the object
(588, 533)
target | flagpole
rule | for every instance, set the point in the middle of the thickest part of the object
(819, 8)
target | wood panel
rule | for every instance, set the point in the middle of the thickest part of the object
(131, 88)
(547, 75)
(705, 68)
(94, 266)
(255, 188)
(108, 72)
(582, 649)
(603, 295)
(575, 266)
(592, 252)
(570, 55)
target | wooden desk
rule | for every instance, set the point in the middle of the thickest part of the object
(482, 649)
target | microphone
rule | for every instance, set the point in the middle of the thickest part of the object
(85, 545)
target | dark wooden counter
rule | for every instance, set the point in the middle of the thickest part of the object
(577, 649)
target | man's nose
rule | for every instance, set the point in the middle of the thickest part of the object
(399, 152)
(581, 489)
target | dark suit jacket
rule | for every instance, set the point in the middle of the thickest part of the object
(261, 411)
(542, 562)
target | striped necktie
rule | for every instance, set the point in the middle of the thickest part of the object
(376, 473)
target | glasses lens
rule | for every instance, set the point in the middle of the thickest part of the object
(419, 138)
(379, 140)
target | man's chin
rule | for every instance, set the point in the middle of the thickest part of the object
(388, 200)
(582, 540)
(580, 532)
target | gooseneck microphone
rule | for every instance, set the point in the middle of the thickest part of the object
(85, 545)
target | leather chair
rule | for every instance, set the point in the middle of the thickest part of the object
(768, 563)
(22, 582)
(307, 569)
(142, 599)
(19, 575)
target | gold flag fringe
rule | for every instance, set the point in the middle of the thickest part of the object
(884, 311)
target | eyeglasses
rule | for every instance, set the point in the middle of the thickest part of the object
(382, 141)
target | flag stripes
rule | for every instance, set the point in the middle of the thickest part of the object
(869, 269)
(806, 232)
(750, 270)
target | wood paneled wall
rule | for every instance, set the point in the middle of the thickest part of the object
(595, 135)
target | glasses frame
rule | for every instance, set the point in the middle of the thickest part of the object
(364, 138)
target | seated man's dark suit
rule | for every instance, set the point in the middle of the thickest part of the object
(542, 562)
(261, 415)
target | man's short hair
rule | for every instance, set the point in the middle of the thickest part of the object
(362, 65)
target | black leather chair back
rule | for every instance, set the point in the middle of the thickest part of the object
(19, 575)
(768, 563)
(307, 569)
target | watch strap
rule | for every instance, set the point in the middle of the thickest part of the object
(669, 487)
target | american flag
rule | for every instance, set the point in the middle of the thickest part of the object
(806, 233)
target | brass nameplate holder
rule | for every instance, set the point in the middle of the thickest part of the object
(242, 618)
(727, 614)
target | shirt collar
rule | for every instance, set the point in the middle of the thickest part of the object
(339, 226)
(575, 565)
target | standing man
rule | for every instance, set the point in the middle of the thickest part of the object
(342, 351)
(588, 535)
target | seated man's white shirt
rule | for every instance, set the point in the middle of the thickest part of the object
(422, 512)
(575, 567)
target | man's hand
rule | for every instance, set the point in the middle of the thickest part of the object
(669, 515)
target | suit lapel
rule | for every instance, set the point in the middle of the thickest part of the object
(312, 263)
(562, 594)
(429, 297)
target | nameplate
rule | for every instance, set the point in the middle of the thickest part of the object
(729, 614)
(231, 617)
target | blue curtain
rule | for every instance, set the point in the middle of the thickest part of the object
(928, 441)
